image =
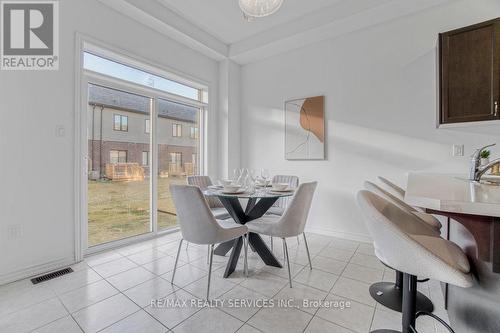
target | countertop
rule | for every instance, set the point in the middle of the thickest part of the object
(452, 193)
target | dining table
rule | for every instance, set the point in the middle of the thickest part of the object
(258, 202)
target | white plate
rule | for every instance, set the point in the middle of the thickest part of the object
(282, 191)
(229, 192)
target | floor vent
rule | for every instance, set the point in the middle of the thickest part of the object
(51, 276)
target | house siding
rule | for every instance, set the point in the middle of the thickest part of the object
(135, 140)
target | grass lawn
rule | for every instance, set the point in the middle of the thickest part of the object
(121, 209)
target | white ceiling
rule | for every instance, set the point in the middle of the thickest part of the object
(223, 18)
(217, 29)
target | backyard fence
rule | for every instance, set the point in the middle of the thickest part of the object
(124, 171)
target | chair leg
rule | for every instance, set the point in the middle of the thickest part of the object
(176, 260)
(187, 245)
(245, 239)
(409, 302)
(298, 240)
(272, 244)
(208, 253)
(210, 269)
(287, 259)
(307, 250)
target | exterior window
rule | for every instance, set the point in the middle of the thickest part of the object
(176, 158)
(145, 158)
(120, 123)
(194, 133)
(147, 125)
(193, 159)
(176, 130)
(117, 156)
(112, 68)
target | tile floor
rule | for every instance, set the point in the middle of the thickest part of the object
(112, 292)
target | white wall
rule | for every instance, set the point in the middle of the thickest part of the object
(229, 117)
(380, 88)
(36, 167)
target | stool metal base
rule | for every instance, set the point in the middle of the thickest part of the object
(391, 297)
(385, 331)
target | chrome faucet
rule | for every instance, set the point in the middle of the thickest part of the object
(476, 170)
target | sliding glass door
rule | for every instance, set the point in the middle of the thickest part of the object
(119, 175)
(178, 141)
(143, 134)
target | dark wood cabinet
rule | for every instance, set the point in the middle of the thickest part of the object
(469, 73)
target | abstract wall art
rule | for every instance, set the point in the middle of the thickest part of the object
(305, 128)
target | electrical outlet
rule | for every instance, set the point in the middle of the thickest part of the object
(14, 231)
(60, 131)
(458, 150)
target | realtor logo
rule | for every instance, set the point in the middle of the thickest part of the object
(30, 35)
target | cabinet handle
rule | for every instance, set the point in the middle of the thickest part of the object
(496, 109)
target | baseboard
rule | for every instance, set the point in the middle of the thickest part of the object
(31, 271)
(364, 238)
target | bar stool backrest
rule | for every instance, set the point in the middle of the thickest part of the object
(401, 242)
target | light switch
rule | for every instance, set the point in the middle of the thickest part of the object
(458, 150)
(60, 131)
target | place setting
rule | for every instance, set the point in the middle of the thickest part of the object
(250, 183)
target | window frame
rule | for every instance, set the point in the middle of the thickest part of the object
(201, 89)
(194, 132)
(176, 153)
(176, 130)
(118, 151)
(85, 77)
(121, 122)
(147, 158)
(147, 126)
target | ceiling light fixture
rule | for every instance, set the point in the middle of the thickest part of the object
(259, 8)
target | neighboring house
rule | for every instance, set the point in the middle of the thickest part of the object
(119, 132)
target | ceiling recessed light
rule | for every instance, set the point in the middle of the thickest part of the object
(259, 8)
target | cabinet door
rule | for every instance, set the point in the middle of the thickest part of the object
(469, 73)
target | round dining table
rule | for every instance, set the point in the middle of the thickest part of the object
(258, 203)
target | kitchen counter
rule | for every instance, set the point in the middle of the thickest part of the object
(472, 210)
(453, 193)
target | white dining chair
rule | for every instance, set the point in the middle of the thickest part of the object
(199, 226)
(217, 208)
(280, 205)
(290, 224)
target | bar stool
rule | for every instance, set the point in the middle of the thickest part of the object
(398, 191)
(412, 253)
(427, 218)
(390, 294)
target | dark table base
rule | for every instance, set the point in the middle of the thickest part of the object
(253, 210)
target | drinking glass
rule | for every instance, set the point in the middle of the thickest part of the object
(252, 173)
(236, 174)
(264, 173)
